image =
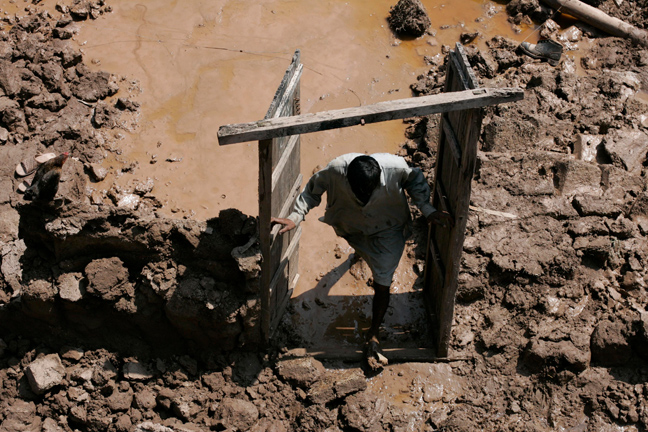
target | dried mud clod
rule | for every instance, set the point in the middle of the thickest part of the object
(409, 18)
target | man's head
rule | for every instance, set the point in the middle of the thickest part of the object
(364, 176)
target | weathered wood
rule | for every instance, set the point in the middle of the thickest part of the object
(283, 85)
(456, 157)
(382, 111)
(279, 181)
(394, 355)
(283, 160)
(600, 20)
(468, 73)
(452, 141)
(265, 188)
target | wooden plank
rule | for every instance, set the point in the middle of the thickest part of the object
(458, 71)
(283, 303)
(294, 243)
(394, 355)
(265, 182)
(283, 161)
(286, 99)
(451, 139)
(467, 70)
(288, 203)
(382, 111)
(283, 84)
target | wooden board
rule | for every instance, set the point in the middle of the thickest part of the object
(456, 158)
(379, 112)
(279, 184)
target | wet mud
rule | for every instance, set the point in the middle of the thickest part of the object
(150, 313)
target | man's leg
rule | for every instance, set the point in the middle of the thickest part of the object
(379, 308)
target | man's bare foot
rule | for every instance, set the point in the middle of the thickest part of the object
(375, 359)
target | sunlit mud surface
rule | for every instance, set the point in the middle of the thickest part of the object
(196, 65)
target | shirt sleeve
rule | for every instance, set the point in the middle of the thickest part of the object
(310, 197)
(419, 191)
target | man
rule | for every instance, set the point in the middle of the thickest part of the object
(367, 206)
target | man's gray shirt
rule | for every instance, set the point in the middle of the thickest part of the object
(387, 208)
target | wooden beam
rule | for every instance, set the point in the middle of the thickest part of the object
(381, 111)
(394, 355)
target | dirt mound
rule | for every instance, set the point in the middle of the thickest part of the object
(409, 18)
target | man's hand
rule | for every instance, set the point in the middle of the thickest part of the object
(441, 218)
(287, 224)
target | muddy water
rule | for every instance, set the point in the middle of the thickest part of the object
(196, 65)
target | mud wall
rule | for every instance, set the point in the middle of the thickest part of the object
(111, 276)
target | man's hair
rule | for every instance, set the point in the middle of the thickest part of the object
(364, 174)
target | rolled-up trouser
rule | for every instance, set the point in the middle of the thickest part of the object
(382, 251)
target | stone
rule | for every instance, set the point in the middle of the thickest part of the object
(11, 267)
(9, 219)
(237, 413)
(45, 373)
(145, 399)
(627, 149)
(70, 287)
(120, 401)
(409, 17)
(72, 354)
(107, 278)
(20, 416)
(575, 176)
(586, 147)
(337, 385)
(50, 425)
(562, 355)
(591, 205)
(136, 371)
(609, 344)
(97, 172)
(363, 412)
(301, 372)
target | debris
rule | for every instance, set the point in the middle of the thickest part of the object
(409, 18)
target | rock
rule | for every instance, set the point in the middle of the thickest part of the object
(145, 399)
(301, 372)
(50, 425)
(363, 412)
(561, 355)
(586, 147)
(11, 267)
(269, 425)
(627, 149)
(108, 278)
(409, 18)
(590, 205)
(97, 172)
(136, 371)
(9, 221)
(45, 373)
(337, 385)
(72, 354)
(574, 176)
(20, 416)
(609, 344)
(70, 287)
(120, 401)
(236, 413)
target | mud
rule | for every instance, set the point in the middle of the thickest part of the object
(115, 316)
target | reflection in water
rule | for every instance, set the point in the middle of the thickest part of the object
(200, 65)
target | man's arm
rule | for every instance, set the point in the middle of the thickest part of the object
(419, 191)
(310, 197)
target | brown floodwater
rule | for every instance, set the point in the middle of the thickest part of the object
(195, 65)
